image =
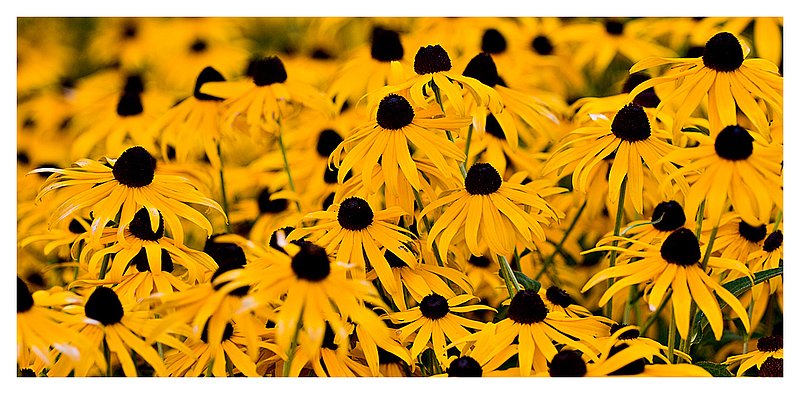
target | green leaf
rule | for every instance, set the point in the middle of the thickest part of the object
(736, 287)
(526, 282)
(716, 370)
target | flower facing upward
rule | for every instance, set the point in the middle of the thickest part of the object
(732, 165)
(487, 205)
(123, 186)
(675, 264)
(728, 79)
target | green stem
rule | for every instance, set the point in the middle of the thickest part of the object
(222, 189)
(671, 339)
(286, 165)
(428, 227)
(104, 266)
(687, 342)
(746, 336)
(287, 366)
(626, 316)
(508, 276)
(466, 148)
(107, 355)
(617, 225)
(778, 220)
(461, 166)
(560, 244)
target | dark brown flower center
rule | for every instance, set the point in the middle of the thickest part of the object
(140, 226)
(631, 123)
(209, 74)
(355, 214)
(633, 368)
(482, 68)
(135, 167)
(773, 241)
(771, 368)
(493, 41)
(723, 53)
(311, 263)
(542, 45)
(24, 297)
(327, 142)
(431, 59)
(143, 264)
(734, 143)
(464, 367)
(199, 45)
(482, 179)
(479, 261)
(76, 227)
(614, 27)
(268, 70)
(386, 45)
(559, 297)
(753, 234)
(527, 307)
(104, 306)
(130, 104)
(647, 98)
(394, 112)
(434, 307)
(681, 248)
(630, 334)
(227, 333)
(669, 215)
(567, 364)
(266, 204)
(771, 343)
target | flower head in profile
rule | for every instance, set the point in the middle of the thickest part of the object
(767, 347)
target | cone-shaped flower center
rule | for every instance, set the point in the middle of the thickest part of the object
(493, 127)
(670, 216)
(431, 59)
(311, 263)
(209, 74)
(227, 333)
(614, 27)
(143, 265)
(282, 232)
(559, 297)
(479, 261)
(771, 343)
(130, 104)
(771, 368)
(527, 307)
(723, 52)
(542, 45)
(567, 364)
(135, 167)
(133, 85)
(140, 226)
(633, 368)
(386, 45)
(631, 123)
(773, 241)
(434, 306)
(681, 248)
(482, 179)
(647, 98)
(268, 70)
(24, 297)
(394, 112)
(26, 373)
(464, 367)
(268, 205)
(734, 143)
(76, 227)
(327, 142)
(354, 214)
(482, 68)
(630, 334)
(493, 41)
(228, 257)
(104, 306)
(753, 234)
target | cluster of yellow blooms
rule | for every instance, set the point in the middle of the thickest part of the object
(400, 197)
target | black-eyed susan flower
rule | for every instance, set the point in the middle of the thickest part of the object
(123, 186)
(631, 139)
(631, 337)
(480, 358)
(434, 323)
(266, 98)
(436, 80)
(767, 347)
(728, 79)
(192, 127)
(130, 42)
(104, 321)
(382, 64)
(735, 238)
(358, 235)
(387, 139)
(674, 264)
(503, 213)
(667, 217)
(733, 166)
(538, 330)
(618, 358)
